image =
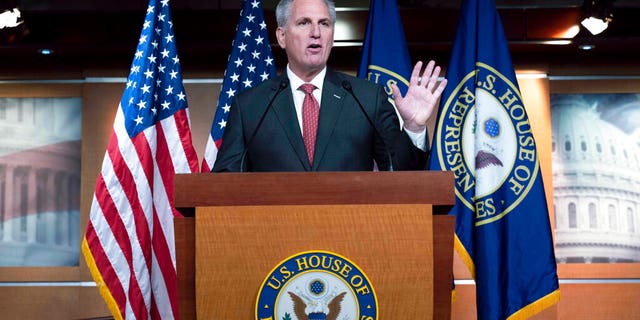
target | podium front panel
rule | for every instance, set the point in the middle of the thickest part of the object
(236, 247)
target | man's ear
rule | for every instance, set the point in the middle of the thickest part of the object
(280, 35)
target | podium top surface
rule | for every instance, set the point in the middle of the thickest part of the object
(308, 188)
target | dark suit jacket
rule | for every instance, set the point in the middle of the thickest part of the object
(345, 141)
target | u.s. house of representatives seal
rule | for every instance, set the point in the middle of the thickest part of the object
(488, 143)
(316, 285)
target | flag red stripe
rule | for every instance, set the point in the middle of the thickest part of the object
(159, 242)
(105, 268)
(117, 227)
(165, 165)
(145, 156)
(127, 181)
(205, 166)
(155, 313)
(181, 118)
(166, 266)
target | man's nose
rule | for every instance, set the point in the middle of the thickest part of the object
(315, 30)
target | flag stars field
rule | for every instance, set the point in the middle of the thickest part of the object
(250, 63)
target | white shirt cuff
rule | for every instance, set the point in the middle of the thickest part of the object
(418, 139)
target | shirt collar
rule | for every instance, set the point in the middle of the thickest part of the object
(296, 82)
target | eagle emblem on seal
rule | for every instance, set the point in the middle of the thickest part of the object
(317, 308)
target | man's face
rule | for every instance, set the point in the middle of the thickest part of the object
(307, 37)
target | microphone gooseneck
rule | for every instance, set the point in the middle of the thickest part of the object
(347, 86)
(281, 86)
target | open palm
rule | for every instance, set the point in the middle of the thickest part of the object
(418, 104)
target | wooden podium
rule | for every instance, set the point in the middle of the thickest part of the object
(238, 226)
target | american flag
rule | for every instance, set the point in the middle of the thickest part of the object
(129, 241)
(250, 63)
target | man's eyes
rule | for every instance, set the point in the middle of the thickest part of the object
(306, 22)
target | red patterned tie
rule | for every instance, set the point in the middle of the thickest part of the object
(310, 111)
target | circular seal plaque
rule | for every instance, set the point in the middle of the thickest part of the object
(314, 285)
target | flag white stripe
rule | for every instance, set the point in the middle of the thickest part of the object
(161, 200)
(117, 193)
(163, 208)
(112, 251)
(174, 143)
(109, 245)
(160, 292)
(210, 152)
(130, 157)
(165, 215)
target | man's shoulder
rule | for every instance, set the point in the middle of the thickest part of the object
(265, 87)
(340, 77)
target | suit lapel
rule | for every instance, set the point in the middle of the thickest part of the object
(333, 97)
(286, 113)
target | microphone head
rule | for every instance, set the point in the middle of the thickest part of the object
(347, 85)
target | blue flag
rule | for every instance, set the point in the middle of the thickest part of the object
(250, 63)
(483, 135)
(385, 58)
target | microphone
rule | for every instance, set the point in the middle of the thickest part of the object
(283, 85)
(347, 86)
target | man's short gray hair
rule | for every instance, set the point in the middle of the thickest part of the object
(283, 11)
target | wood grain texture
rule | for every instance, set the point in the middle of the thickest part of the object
(62, 303)
(236, 247)
(327, 188)
(204, 189)
(185, 252)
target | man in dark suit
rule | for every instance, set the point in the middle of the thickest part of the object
(314, 120)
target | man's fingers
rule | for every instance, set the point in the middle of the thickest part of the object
(433, 79)
(440, 89)
(415, 74)
(426, 75)
(397, 95)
